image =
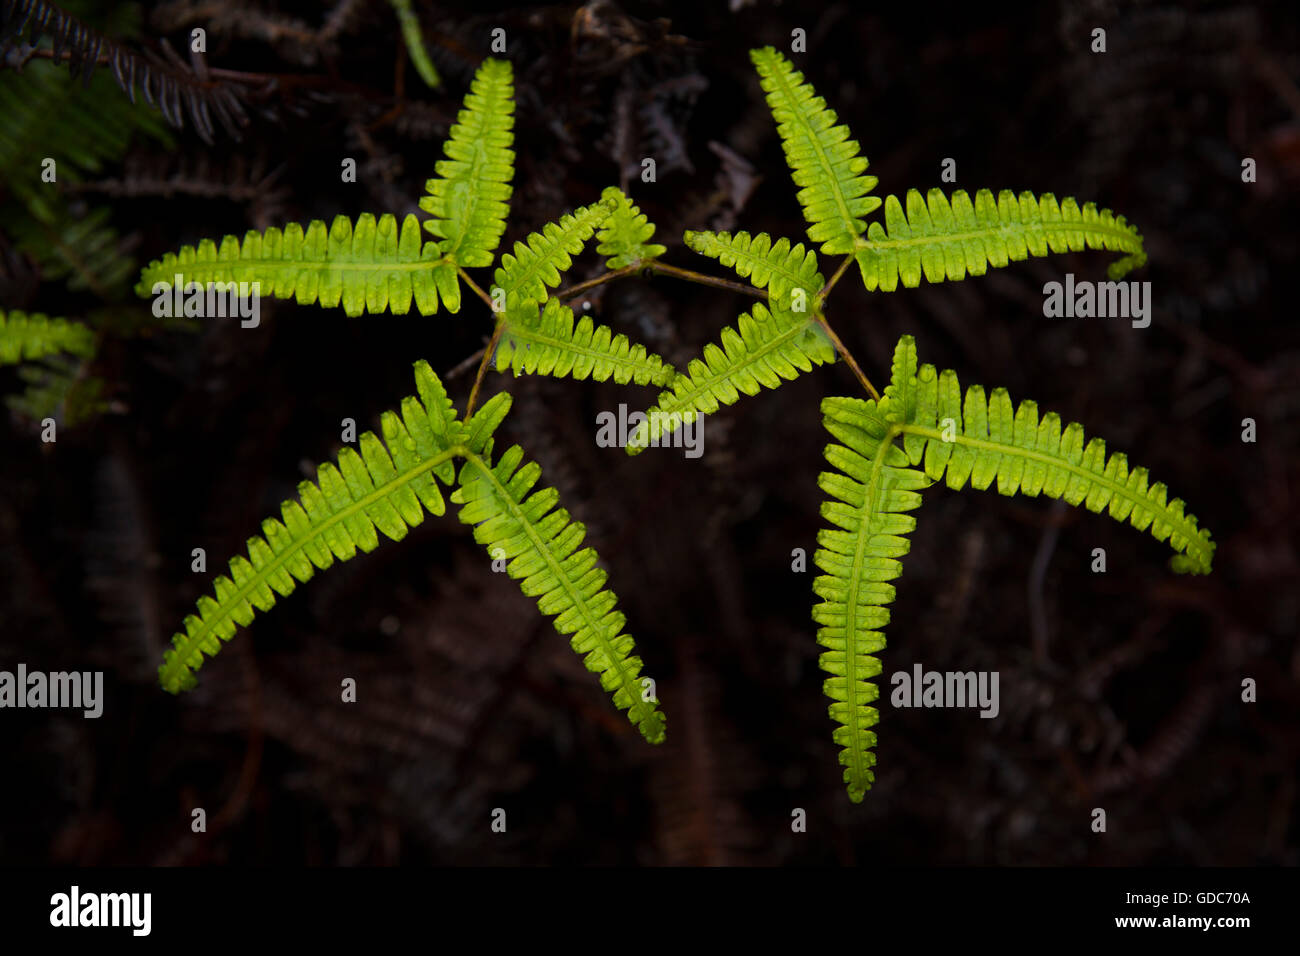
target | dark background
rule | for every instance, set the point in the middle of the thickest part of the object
(1119, 691)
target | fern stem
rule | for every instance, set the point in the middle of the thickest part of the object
(845, 354)
(487, 299)
(566, 294)
(488, 352)
(662, 268)
(826, 289)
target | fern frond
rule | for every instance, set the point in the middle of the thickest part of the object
(374, 267)
(85, 252)
(876, 483)
(979, 439)
(414, 41)
(542, 543)
(548, 344)
(871, 491)
(936, 239)
(59, 387)
(26, 337)
(168, 84)
(387, 487)
(824, 162)
(777, 268)
(538, 261)
(625, 236)
(762, 350)
(470, 197)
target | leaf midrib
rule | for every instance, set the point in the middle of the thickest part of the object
(1009, 229)
(851, 605)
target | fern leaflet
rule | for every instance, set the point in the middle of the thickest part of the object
(936, 239)
(625, 236)
(26, 337)
(538, 261)
(777, 268)
(763, 350)
(980, 439)
(871, 491)
(543, 547)
(824, 162)
(388, 486)
(470, 198)
(548, 344)
(374, 267)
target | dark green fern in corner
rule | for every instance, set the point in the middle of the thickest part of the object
(885, 450)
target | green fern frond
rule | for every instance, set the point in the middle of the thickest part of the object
(625, 236)
(414, 41)
(824, 162)
(470, 197)
(937, 240)
(387, 487)
(543, 547)
(875, 483)
(26, 337)
(870, 494)
(979, 439)
(374, 267)
(763, 350)
(777, 268)
(548, 344)
(538, 261)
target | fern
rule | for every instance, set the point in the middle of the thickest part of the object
(987, 439)
(377, 267)
(388, 486)
(542, 546)
(470, 198)
(871, 491)
(537, 263)
(625, 236)
(936, 239)
(825, 163)
(167, 84)
(884, 452)
(777, 268)
(374, 267)
(548, 344)
(876, 482)
(26, 337)
(763, 350)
